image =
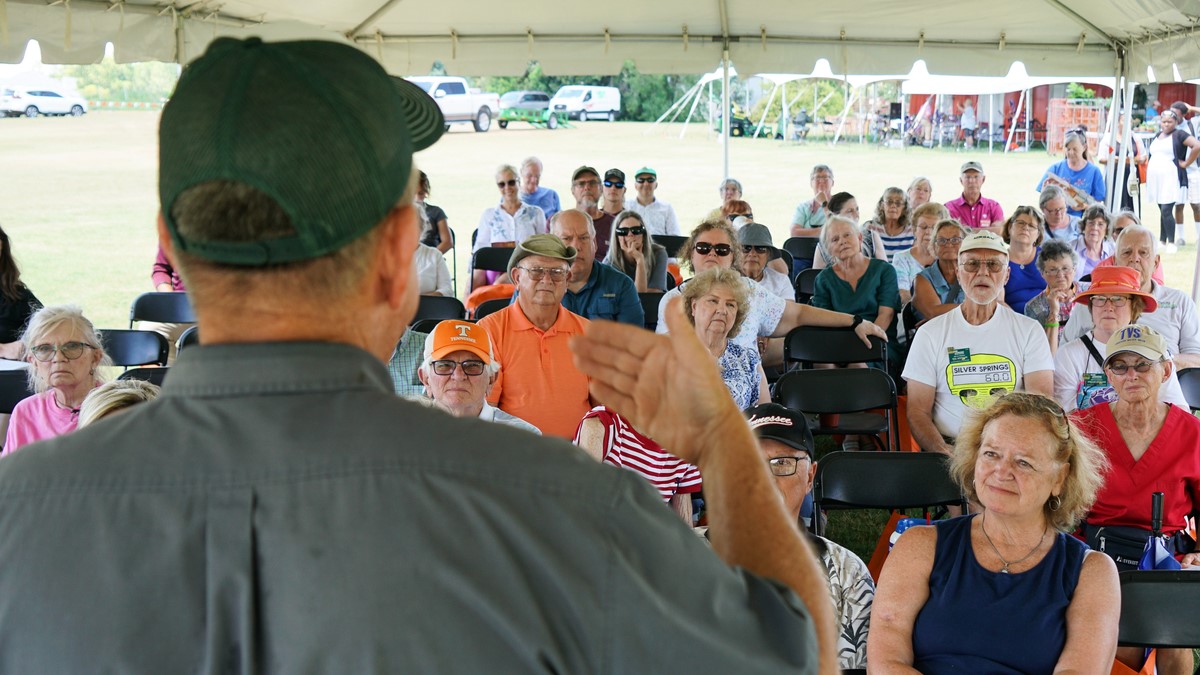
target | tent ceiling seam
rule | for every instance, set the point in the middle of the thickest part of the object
(371, 18)
(1070, 13)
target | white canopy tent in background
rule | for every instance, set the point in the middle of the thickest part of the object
(920, 82)
(1060, 38)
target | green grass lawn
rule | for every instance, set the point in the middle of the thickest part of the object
(79, 198)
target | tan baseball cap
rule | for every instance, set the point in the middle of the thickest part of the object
(983, 239)
(1139, 339)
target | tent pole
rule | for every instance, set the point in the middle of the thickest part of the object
(763, 117)
(1012, 129)
(991, 119)
(692, 110)
(725, 110)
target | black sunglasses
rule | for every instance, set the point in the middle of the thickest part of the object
(721, 250)
(761, 249)
(506, 183)
(614, 184)
(646, 179)
(626, 231)
(734, 216)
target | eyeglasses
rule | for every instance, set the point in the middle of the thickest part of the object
(646, 179)
(70, 351)
(894, 202)
(1122, 368)
(1056, 271)
(1025, 224)
(1056, 211)
(786, 466)
(721, 250)
(626, 231)
(614, 184)
(758, 249)
(974, 265)
(587, 183)
(734, 216)
(446, 367)
(511, 182)
(1114, 300)
(942, 241)
(538, 273)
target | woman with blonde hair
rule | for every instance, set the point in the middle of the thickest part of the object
(1048, 598)
(65, 354)
(111, 398)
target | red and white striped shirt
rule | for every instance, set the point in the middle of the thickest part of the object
(624, 446)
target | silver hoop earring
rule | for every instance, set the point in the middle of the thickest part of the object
(1055, 502)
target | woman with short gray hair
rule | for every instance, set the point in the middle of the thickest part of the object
(1052, 202)
(1057, 262)
(65, 353)
(1093, 244)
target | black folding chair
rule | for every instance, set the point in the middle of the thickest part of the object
(491, 307)
(440, 308)
(190, 338)
(650, 302)
(883, 480)
(491, 258)
(152, 374)
(1159, 608)
(812, 344)
(1189, 381)
(673, 243)
(790, 262)
(848, 393)
(134, 347)
(806, 282)
(802, 248)
(170, 307)
(14, 388)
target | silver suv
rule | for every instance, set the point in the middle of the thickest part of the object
(31, 102)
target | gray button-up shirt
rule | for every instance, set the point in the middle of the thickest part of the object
(279, 509)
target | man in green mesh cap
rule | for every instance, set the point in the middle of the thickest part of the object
(278, 509)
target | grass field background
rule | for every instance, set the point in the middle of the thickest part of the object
(79, 198)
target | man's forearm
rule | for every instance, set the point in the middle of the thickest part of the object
(926, 433)
(1186, 361)
(750, 528)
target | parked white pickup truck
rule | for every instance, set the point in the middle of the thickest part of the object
(460, 103)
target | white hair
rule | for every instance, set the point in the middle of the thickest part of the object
(838, 219)
(1139, 230)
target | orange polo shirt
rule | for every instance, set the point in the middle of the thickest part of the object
(538, 381)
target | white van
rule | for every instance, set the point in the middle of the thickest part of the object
(585, 102)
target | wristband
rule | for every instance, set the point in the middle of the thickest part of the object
(1052, 325)
(857, 320)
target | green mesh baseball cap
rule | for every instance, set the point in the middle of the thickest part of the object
(318, 126)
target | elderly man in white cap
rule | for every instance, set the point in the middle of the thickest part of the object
(458, 372)
(977, 351)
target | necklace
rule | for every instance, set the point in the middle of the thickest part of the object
(1007, 564)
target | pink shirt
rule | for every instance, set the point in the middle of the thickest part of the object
(983, 213)
(37, 418)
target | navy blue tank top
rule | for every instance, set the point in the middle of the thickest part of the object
(977, 621)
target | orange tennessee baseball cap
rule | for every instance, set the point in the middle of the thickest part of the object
(453, 335)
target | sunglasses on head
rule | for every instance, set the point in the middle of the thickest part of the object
(626, 231)
(614, 184)
(721, 250)
(506, 183)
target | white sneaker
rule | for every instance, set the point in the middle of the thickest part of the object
(1172, 249)
(1181, 242)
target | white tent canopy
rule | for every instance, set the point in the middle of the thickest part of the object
(1051, 37)
(1017, 79)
